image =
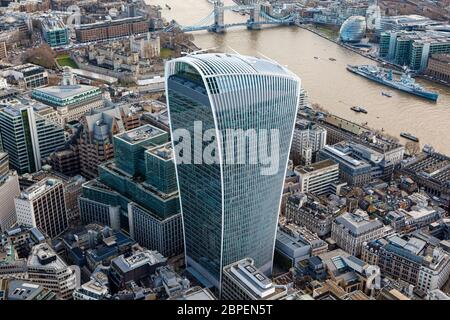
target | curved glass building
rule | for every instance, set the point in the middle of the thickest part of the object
(230, 208)
(353, 29)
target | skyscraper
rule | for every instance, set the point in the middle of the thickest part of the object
(230, 211)
(28, 137)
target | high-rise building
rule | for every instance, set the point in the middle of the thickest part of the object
(43, 205)
(28, 137)
(308, 139)
(230, 211)
(318, 178)
(413, 48)
(137, 191)
(54, 32)
(96, 139)
(46, 268)
(9, 189)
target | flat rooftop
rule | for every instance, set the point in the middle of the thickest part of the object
(164, 152)
(140, 134)
(39, 188)
(64, 92)
(316, 166)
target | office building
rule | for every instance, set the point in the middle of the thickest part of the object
(19, 290)
(28, 75)
(243, 281)
(305, 211)
(54, 31)
(294, 244)
(66, 161)
(351, 230)
(91, 290)
(439, 67)
(431, 172)
(9, 189)
(213, 196)
(96, 139)
(318, 178)
(46, 268)
(71, 101)
(111, 29)
(140, 265)
(413, 48)
(410, 259)
(137, 191)
(28, 137)
(352, 170)
(43, 205)
(405, 22)
(351, 273)
(416, 218)
(308, 139)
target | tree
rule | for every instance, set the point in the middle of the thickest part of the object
(42, 55)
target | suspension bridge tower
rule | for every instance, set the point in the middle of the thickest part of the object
(253, 22)
(219, 25)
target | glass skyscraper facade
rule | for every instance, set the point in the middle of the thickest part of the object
(230, 211)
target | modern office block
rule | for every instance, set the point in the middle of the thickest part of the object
(46, 268)
(137, 191)
(28, 137)
(319, 177)
(43, 205)
(54, 32)
(230, 211)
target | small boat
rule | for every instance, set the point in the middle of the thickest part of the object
(316, 57)
(409, 136)
(386, 94)
(332, 59)
(358, 109)
(168, 7)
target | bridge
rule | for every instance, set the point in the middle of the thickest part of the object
(215, 21)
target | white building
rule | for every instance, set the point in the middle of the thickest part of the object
(91, 290)
(434, 271)
(43, 205)
(351, 230)
(46, 268)
(307, 140)
(319, 177)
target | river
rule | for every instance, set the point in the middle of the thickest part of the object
(328, 82)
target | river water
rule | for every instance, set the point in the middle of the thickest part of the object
(328, 82)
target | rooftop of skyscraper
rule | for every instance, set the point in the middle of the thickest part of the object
(226, 63)
(164, 152)
(140, 134)
(39, 188)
